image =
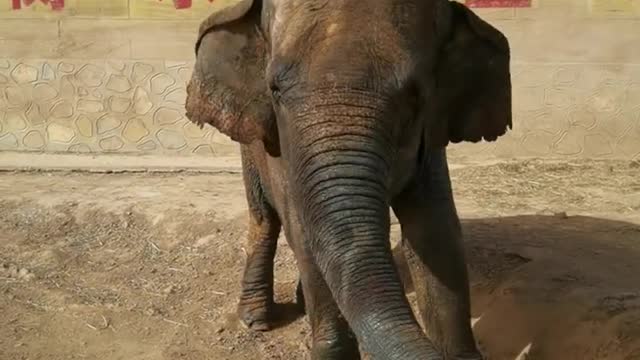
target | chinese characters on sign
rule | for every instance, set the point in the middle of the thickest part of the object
(183, 4)
(56, 5)
(497, 3)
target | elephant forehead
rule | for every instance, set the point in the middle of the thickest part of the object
(293, 19)
(323, 24)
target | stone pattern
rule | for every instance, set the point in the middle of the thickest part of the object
(100, 106)
(561, 110)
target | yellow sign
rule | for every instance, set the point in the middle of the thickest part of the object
(613, 7)
(176, 9)
(138, 9)
(57, 8)
(21, 8)
(110, 8)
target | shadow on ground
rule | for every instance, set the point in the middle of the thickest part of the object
(555, 287)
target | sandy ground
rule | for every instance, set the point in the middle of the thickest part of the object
(147, 266)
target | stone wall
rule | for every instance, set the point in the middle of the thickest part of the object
(89, 76)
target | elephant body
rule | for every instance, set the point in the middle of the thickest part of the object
(343, 109)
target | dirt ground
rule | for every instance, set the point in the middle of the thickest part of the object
(147, 265)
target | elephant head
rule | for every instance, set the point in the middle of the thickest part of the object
(352, 95)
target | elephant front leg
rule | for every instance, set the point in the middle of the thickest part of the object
(332, 336)
(256, 300)
(255, 307)
(431, 241)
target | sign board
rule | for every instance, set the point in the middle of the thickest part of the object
(60, 8)
(171, 9)
(138, 9)
(612, 7)
(56, 5)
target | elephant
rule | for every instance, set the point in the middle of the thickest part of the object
(343, 111)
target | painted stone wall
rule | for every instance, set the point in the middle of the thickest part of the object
(100, 106)
(109, 76)
(91, 76)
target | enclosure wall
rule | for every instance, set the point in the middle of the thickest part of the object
(109, 76)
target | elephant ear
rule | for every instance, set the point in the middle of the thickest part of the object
(473, 82)
(227, 89)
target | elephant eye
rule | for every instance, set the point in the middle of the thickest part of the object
(281, 76)
(275, 91)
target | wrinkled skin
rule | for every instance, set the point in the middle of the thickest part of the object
(343, 109)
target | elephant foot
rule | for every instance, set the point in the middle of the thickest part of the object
(335, 350)
(255, 317)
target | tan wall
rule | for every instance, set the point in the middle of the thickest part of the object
(111, 78)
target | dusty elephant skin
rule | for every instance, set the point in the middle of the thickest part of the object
(344, 109)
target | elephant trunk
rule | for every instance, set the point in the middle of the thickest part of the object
(340, 169)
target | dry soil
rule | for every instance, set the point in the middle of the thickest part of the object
(147, 265)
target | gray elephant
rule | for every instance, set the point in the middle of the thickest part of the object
(343, 109)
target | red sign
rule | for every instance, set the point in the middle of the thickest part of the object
(183, 4)
(498, 3)
(56, 5)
